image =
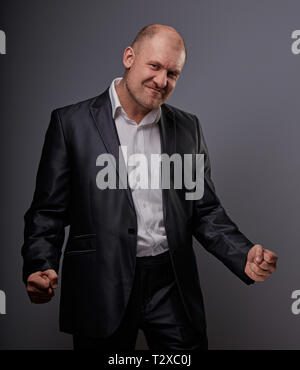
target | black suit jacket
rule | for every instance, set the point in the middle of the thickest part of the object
(100, 255)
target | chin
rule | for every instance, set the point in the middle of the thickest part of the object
(153, 105)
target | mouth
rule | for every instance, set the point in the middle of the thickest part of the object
(152, 89)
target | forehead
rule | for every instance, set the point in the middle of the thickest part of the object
(167, 50)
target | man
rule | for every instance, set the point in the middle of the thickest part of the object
(129, 261)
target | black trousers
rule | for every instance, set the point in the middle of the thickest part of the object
(156, 308)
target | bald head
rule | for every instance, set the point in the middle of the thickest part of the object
(153, 30)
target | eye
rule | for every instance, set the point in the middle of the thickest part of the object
(172, 74)
(154, 65)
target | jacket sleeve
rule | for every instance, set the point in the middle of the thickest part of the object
(47, 216)
(213, 228)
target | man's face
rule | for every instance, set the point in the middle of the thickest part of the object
(153, 71)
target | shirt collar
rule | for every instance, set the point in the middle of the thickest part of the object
(152, 117)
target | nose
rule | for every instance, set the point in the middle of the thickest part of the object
(161, 79)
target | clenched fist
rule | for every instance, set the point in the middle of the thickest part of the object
(40, 286)
(261, 263)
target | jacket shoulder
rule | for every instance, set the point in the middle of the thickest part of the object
(75, 108)
(76, 116)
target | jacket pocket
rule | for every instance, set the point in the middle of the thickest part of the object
(81, 244)
(68, 253)
(83, 236)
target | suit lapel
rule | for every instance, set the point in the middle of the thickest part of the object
(101, 111)
(167, 128)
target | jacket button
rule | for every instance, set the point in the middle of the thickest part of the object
(131, 231)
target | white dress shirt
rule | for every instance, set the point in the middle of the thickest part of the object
(142, 138)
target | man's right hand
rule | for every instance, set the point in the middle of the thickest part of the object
(40, 286)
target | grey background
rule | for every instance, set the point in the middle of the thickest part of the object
(242, 81)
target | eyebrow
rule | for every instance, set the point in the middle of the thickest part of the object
(176, 71)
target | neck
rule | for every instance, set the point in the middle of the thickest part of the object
(133, 110)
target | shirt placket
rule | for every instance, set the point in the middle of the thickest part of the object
(143, 194)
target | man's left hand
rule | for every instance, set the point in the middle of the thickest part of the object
(260, 263)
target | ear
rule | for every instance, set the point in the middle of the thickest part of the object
(128, 57)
